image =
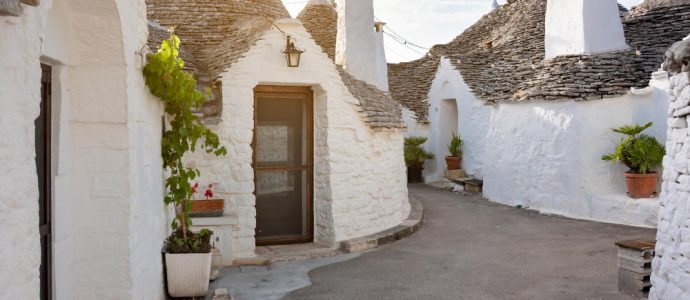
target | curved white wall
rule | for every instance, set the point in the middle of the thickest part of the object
(546, 155)
(359, 173)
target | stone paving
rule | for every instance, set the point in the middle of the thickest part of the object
(468, 248)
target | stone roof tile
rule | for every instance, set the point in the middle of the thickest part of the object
(501, 57)
(215, 33)
(321, 21)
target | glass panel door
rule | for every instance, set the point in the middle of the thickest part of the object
(282, 166)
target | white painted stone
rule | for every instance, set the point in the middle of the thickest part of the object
(550, 161)
(359, 173)
(109, 220)
(582, 27)
(671, 264)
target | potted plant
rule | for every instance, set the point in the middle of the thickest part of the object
(454, 161)
(415, 156)
(641, 153)
(208, 207)
(188, 254)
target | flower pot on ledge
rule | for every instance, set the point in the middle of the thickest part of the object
(453, 162)
(207, 208)
(641, 185)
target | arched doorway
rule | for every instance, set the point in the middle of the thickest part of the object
(84, 53)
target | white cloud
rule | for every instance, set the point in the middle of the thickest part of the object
(425, 22)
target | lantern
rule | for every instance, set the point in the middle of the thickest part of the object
(292, 53)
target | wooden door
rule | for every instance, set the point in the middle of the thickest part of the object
(283, 164)
(43, 170)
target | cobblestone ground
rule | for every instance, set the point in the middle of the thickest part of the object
(469, 248)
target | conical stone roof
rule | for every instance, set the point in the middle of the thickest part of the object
(321, 21)
(215, 33)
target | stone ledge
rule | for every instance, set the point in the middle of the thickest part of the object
(227, 219)
(405, 229)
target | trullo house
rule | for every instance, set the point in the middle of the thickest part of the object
(315, 150)
(534, 88)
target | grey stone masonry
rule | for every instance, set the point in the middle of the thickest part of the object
(501, 57)
(14, 7)
(635, 266)
(671, 265)
(378, 109)
(10, 8)
(321, 21)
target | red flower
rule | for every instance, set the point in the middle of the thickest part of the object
(209, 192)
(196, 185)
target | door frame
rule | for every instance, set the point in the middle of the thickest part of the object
(289, 92)
(46, 206)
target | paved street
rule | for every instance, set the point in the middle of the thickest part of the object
(469, 248)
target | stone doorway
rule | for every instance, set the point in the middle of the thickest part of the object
(283, 165)
(43, 170)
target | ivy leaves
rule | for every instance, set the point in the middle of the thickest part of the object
(166, 79)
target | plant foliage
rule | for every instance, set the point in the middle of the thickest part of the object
(455, 146)
(167, 80)
(415, 155)
(641, 153)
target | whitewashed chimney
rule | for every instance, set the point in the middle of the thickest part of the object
(356, 47)
(381, 63)
(582, 27)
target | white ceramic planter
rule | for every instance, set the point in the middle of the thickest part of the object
(188, 274)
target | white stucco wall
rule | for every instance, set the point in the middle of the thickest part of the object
(582, 27)
(108, 217)
(359, 174)
(671, 265)
(20, 97)
(546, 155)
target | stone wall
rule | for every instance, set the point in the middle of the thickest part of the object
(671, 265)
(359, 173)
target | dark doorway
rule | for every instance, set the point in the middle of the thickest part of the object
(43, 169)
(283, 164)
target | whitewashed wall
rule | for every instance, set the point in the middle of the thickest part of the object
(546, 155)
(671, 265)
(20, 97)
(359, 174)
(109, 221)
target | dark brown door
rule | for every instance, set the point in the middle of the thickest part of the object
(43, 132)
(283, 164)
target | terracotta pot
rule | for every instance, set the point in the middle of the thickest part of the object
(207, 208)
(453, 163)
(188, 274)
(641, 185)
(414, 174)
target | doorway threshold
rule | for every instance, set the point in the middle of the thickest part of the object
(297, 252)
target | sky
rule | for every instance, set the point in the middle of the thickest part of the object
(424, 22)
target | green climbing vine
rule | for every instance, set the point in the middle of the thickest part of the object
(167, 80)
